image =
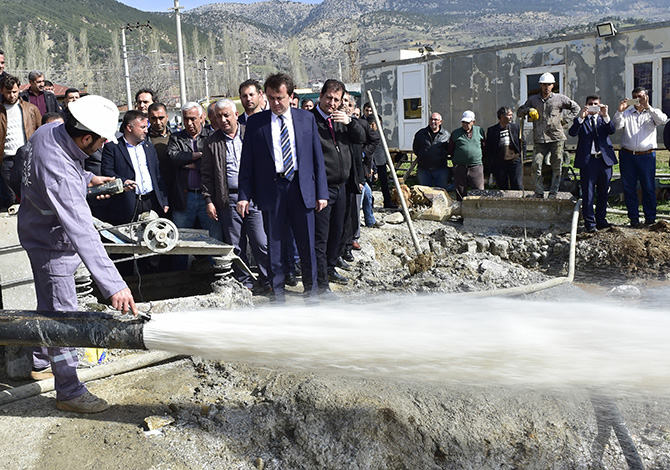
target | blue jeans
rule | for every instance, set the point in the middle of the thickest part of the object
(367, 206)
(437, 178)
(640, 168)
(195, 208)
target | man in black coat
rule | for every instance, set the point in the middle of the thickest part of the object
(337, 133)
(504, 151)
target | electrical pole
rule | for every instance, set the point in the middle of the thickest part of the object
(246, 64)
(180, 53)
(203, 61)
(126, 73)
(352, 52)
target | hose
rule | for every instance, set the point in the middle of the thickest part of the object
(529, 289)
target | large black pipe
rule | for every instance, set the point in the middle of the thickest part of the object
(71, 329)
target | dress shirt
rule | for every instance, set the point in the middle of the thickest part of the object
(639, 127)
(276, 140)
(233, 153)
(142, 175)
(606, 120)
(38, 100)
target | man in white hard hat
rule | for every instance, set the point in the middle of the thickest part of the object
(56, 230)
(545, 110)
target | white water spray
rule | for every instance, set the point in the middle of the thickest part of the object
(437, 338)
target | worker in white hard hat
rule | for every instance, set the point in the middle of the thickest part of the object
(56, 230)
(545, 111)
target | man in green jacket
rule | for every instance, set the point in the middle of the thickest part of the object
(466, 147)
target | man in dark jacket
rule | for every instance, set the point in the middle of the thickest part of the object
(45, 101)
(504, 151)
(220, 186)
(337, 133)
(430, 148)
(185, 151)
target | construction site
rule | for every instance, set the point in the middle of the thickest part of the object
(433, 356)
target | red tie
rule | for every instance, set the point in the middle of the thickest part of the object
(330, 126)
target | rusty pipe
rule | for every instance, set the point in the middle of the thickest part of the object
(71, 329)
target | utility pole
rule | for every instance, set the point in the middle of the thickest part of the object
(246, 64)
(352, 52)
(180, 53)
(126, 73)
(203, 61)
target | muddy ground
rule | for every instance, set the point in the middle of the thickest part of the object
(240, 416)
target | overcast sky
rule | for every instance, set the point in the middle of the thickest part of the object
(163, 5)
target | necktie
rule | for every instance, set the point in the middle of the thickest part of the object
(287, 156)
(595, 134)
(329, 120)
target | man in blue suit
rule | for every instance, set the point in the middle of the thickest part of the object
(282, 170)
(595, 158)
(135, 161)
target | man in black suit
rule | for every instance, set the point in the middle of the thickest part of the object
(504, 151)
(594, 158)
(282, 170)
(135, 161)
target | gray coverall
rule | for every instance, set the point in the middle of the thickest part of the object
(56, 230)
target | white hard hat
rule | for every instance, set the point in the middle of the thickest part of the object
(96, 114)
(468, 116)
(547, 77)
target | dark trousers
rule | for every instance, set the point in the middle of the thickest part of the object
(509, 174)
(352, 220)
(290, 209)
(595, 183)
(329, 223)
(237, 230)
(640, 168)
(7, 196)
(468, 175)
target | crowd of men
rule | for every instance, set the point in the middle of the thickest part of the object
(500, 151)
(196, 176)
(285, 180)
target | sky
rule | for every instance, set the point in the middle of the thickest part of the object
(163, 5)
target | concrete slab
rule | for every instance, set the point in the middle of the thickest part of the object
(499, 209)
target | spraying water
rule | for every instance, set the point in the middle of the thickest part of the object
(438, 338)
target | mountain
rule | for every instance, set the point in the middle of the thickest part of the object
(77, 42)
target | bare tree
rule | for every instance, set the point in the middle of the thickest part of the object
(72, 61)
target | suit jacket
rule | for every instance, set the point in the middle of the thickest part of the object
(116, 162)
(181, 153)
(586, 135)
(258, 175)
(666, 136)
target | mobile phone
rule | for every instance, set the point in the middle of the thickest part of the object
(594, 108)
(632, 102)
